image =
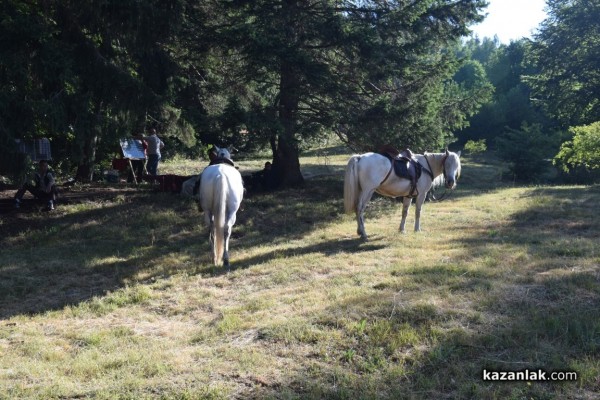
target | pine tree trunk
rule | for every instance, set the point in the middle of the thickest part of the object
(85, 169)
(286, 156)
(287, 164)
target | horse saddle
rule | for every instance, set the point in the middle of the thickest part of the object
(404, 165)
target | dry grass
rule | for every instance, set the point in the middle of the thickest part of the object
(117, 299)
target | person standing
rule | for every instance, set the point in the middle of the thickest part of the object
(155, 145)
(138, 164)
(44, 187)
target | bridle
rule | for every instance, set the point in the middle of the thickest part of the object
(446, 192)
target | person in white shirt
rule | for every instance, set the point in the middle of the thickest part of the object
(154, 147)
(44, 187)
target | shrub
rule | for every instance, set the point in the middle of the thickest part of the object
(582, 151)
(527, 151)
(475, 147)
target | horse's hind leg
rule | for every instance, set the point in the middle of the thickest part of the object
(210, 223)
(364, 198)
(405, 206)
(227, 235)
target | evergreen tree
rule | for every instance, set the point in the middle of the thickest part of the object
(372, 71)
(85, 73)
(506, 67)
(527, 150)
(567, 54)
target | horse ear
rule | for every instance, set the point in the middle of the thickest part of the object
(447, 152)
(458, 153)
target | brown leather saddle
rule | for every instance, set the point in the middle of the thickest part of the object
(404, 166)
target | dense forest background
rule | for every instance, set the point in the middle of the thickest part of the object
(280, 75)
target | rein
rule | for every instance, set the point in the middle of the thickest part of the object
(433, 197)
(430, 173)
(389, 173)
(446, 193)
(428, 170)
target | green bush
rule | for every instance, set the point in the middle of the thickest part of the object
(475, 147)
(582, 151)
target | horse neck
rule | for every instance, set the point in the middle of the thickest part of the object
(436, 161)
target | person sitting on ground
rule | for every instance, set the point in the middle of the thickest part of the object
(270, 179)
(43, 189)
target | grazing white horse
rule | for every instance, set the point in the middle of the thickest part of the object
(372, 172)
(221, 193)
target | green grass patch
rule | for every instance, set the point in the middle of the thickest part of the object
(118, 297)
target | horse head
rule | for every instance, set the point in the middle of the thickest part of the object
(451, 168)
(222, 153)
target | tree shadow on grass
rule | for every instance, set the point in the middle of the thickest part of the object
(394, 343)
(397, 350)
(544, 312)
(49, 261)
(63, 259)
(328, 248)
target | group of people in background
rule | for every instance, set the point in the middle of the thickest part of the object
(43, 184)
(152, 146)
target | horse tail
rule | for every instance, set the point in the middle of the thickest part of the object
(351, 185)
(219, 211)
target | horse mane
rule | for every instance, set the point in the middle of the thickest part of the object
(438, 181)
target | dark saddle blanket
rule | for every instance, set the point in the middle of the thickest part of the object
(404, 165)
(222, 160)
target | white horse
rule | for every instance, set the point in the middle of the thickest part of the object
(372, 172)
(221, 193)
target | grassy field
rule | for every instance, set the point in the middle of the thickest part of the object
(117, 299)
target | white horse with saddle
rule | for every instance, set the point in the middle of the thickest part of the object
(378, 172)
(221, 193)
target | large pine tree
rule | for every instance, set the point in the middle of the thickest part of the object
(373, 71)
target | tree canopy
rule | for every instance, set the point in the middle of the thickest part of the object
(566, 51)
(373, 72)
(254, 74)
(238, 72)
(84, 73)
